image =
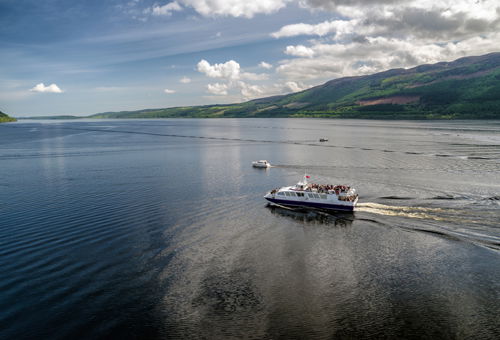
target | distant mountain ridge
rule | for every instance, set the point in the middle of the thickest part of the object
(4, 118)
(467, 88)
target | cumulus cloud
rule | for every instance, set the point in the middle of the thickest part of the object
(166, 9)
(185, 80)
(265, 65)
(52, 88)
(249, 91)
(235, 8)
(333, 5)
(321, 29)
(299, 51)
(292, 86)
(228, 70)
(232, 79)
(217, 89)
(167, 91)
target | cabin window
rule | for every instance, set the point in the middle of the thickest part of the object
(281, 193)
(323, 196)
(287, 193)
(300, 194)
(293, 194)
(310, 195)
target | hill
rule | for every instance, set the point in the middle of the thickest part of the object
(467, 88)
(4, 118)
(62, 117)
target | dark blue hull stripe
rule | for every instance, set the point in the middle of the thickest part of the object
(310, 204)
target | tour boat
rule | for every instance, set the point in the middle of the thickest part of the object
(261, 164)
(315, 196)
(323, 139)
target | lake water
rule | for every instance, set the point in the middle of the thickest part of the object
(158, 229)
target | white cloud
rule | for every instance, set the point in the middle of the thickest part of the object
(299, 51)
(227, 70)
(230, 70)
(232, 77)
(167, 91)
(185, 80)
(235, 8)
(52, 88)
(292, 86)
(265, 65)
(217, 89)
(166, 9)
(249, 91)
(321, 29)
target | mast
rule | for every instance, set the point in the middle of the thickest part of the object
(303, 184)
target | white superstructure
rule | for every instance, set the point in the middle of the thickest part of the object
(318, 196)
(261, 164)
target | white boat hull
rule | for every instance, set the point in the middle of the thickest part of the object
(261, 165)
(315, 196)
(313, 204)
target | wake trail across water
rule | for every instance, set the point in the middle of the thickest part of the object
(437, 214)
(449, 218)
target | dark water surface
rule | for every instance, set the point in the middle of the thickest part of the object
(158, 229)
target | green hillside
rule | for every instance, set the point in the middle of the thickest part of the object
(4, 118)
(468, 88)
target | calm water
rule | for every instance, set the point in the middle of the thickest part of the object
(158, 229)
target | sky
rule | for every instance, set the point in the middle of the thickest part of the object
(60, 57)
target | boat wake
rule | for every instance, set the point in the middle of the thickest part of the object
(437, 214)
(482, 231)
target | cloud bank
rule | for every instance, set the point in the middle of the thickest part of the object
(375, 35)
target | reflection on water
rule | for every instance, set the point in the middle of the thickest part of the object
(336, 218)
(158, 229)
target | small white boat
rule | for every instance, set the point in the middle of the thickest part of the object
(315, 196)
(261, 164)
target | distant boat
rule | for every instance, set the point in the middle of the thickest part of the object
(315, 196)
(323, 139)
(261, 164)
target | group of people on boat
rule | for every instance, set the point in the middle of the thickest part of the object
(348, 198)
(327, 188)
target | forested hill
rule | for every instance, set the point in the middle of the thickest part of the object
(467, 88)
(5, 118)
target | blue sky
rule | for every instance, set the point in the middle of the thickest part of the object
(79, 58)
